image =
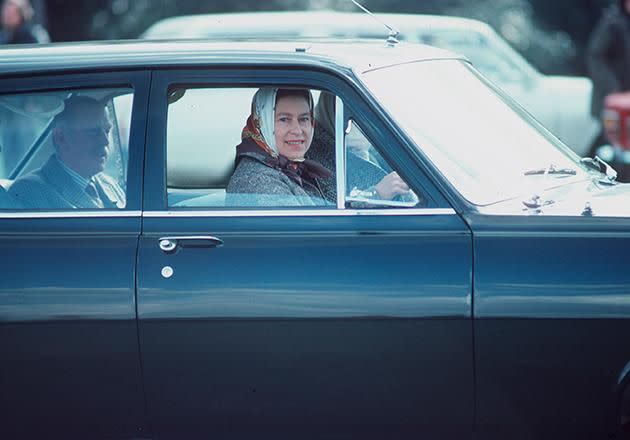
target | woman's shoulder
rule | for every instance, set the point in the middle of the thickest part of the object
(252, 174)
(256, 184)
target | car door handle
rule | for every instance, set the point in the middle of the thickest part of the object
(169, 244)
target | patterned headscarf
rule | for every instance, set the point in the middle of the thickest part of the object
(260, 123)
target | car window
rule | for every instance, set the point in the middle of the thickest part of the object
(64, 149)
(204, 128)
(215, 160)
(370, 180)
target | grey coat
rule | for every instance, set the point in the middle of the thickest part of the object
(260, 180)
(608, 56)
(51, 187)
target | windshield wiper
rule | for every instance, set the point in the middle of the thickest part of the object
(551, 169)
(595, 163)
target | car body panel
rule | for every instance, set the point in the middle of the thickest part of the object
(237, 348)
(544, 321)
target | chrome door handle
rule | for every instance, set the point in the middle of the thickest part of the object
(169, 244)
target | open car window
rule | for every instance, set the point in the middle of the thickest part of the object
(370, 181)
(214, 161)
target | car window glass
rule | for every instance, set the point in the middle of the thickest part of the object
(64, 149)
(471, 133)
(204, 128)
(370, 181)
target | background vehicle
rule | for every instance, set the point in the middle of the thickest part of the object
(473, 313)
(616, 121)
(560, 103)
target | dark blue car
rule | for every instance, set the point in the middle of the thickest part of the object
(488, 299)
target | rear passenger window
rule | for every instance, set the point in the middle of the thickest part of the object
(65, 149)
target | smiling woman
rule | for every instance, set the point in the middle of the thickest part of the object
(270, 166)
(293, 124)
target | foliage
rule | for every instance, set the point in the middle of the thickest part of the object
(551, 34)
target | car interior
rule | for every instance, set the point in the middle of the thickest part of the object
(26, 123)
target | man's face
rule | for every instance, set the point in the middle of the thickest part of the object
(293, 127)
(11, 15)
(83, 142)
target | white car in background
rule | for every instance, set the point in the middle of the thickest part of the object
(560, 103)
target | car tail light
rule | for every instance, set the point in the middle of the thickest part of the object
(610, 119)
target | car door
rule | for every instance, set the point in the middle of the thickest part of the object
(308, 322)
(70, 362)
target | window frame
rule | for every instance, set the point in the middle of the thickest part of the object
(353, 104)
(138, 82)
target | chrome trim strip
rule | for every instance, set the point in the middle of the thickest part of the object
(553, 234)
(340, 157)
(303, 213)
(70, 214)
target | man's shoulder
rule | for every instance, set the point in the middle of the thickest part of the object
(33, 178)
(32, 190)
(24, 35)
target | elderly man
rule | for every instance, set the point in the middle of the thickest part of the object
(72, 177)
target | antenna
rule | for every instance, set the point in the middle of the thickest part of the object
(392, 37)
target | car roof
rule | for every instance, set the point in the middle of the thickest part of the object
(306, 23)
(359, 55)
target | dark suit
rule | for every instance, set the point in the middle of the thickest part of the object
(51, 187)
(608, 56)
(6, 201)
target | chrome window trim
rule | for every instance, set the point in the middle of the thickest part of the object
(340, 157)
(303, 213)
(70, 214)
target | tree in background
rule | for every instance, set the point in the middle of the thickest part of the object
(551, 34)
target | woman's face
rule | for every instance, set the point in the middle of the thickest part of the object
(293, 127)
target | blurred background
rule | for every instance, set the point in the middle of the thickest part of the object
(552, 35)
(550, 78)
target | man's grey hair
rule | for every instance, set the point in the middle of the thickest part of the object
(73, 110)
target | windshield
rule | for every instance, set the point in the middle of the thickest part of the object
(497, 64)
(488, 151)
